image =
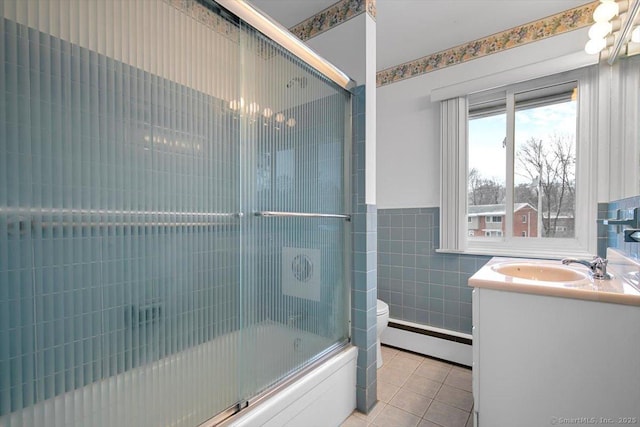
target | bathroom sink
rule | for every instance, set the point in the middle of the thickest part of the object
(540, 272)
(553, 278)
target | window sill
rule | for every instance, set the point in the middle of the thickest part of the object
(521, 253)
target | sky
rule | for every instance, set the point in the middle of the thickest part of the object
(486, 135)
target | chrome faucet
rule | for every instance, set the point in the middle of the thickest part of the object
(597, 266)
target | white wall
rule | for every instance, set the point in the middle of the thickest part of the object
(408, 142)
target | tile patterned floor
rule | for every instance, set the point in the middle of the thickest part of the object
(416, 391)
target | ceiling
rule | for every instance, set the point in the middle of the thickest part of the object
(410, 29)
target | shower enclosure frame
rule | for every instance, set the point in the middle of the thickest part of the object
(144, 291)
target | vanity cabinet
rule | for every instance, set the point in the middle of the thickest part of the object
(541, 360)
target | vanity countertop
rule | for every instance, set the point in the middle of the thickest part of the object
(618, 290)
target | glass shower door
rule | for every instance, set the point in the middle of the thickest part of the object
(293, 287)
(119, 233)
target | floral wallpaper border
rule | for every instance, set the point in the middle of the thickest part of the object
(222, 26)
(560, 23)
(205, 16)
(335, 14)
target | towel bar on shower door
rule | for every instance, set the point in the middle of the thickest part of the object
(301, 215)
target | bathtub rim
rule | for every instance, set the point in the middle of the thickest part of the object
(228, 417)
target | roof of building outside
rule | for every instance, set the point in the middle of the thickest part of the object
(477, 210)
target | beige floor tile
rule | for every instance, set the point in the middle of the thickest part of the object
(445, 415)
(386, 391)
(410, 355)
(432, 371)
(392, 416)
(393, 376)
(411, 402)
(461, 399)
(403, 363)
(423, 386)
(470, 420)
(372, 413)
(427, 423)
(388, 352)
(460, 379)
(436, 362)
(354, 421)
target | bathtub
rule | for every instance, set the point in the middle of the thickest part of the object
(171, 391)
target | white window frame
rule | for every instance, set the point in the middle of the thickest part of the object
(454, 167)
(524, 219)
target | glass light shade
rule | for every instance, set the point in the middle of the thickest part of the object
(291, 122)
(605, 11)
(595, 46)
(237, 105)
(267, 112)
(635, 35)
(600, 30)
(279, 117)
(253, 108)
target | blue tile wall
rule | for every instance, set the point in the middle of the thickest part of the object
(602, 230)
(420, 285)
(85, 303)
(364, 284)
(614, 235)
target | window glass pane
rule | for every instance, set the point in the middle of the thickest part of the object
(544, 163)
(486, 176)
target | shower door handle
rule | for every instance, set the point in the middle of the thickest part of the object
(266, 214)
(22, 219)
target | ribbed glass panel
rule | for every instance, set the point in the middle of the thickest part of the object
(293, 268)
(132, 290)
(119, 249)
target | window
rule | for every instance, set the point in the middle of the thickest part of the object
(526, 147)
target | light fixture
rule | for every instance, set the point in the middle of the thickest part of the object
(253, 108)
(606, 11)
(253, 111)
(614, 20)
(236, 104)
(595, 46)
(600, 30)
(602, 15)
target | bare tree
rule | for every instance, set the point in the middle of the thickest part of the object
(550, 163)
(484, 191)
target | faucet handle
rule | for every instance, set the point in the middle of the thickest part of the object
(599, 268)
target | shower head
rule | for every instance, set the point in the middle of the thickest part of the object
(300, 81)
